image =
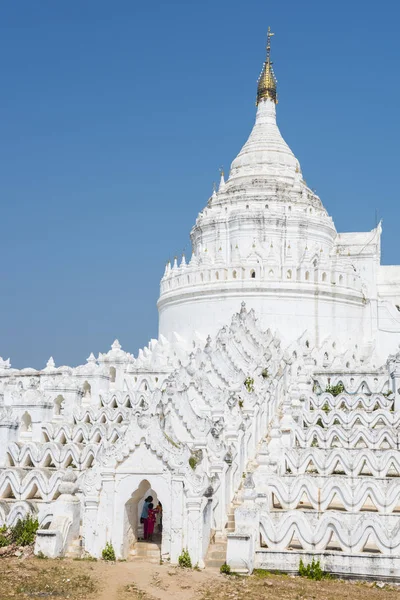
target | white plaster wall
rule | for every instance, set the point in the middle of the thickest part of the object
(290, 311)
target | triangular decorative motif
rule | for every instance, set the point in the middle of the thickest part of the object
(392, 471)
(369, 505)
(370, 545)
(361, 443)
(311, 468)
(295, 543)
(336, 503)
(338, 468)
(385, 444)
(275, 502)
(365, 469)
(304, 502)
(333, 543)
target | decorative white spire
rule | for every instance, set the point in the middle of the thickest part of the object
(115, 345)
(222, 182)
(91, 359)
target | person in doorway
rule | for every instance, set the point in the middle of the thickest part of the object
(159, 517)
(144, 518)
(151, 520)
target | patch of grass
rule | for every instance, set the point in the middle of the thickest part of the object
(44, 579)
(261, 573)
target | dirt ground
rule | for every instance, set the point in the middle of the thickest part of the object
(97, 580)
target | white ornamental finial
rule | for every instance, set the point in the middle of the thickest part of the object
(116, 345)
(92, 358)
(222, 181)
(50, 363)
(5, 364)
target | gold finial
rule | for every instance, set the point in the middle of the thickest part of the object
(267, 81)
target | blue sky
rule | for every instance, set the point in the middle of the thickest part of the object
(115, 117)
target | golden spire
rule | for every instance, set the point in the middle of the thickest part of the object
(267, 82)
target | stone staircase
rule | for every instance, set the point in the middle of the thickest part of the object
(216, 554)
(146, 552)
(75, 549)
(230, 527)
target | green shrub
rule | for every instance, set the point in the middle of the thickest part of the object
(3, 541)
(24, 532)
(184, 560)
(108, 552)
(225, 569)
(312, 571)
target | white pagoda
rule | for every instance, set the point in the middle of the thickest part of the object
(266, 416)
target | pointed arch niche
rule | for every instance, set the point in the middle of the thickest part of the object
(25, 427)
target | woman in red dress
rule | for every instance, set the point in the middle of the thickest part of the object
(151, 519)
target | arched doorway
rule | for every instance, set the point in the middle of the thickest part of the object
(134, 542)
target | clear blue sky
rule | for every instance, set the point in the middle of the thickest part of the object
(115, 117)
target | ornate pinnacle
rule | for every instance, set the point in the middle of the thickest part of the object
(267, 81)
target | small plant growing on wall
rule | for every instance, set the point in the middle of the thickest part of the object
(335, 390)
(249, 384)
(193, 462)
(265, 373)
(184, 560)
(108, 553)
